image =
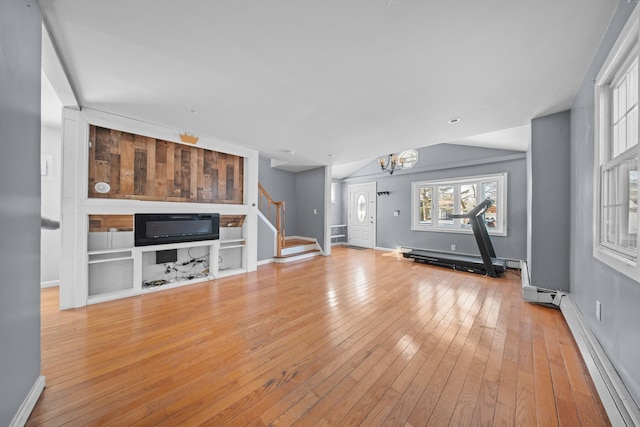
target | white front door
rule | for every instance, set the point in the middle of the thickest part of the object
(362, 215)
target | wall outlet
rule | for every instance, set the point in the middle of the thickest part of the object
(598, 310)
(396, 213)
(453, 247)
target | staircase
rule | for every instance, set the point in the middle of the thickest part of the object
(287, 248)
(297, 248)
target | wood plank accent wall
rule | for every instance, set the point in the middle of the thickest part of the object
(231, 220)
(107, 222)
(143, 168)
(125, 222)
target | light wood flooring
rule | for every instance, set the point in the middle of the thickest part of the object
(361, 337)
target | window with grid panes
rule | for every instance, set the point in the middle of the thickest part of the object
(434, 202)
(616, 157)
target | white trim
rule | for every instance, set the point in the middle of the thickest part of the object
(381, 248)
(266, 261)
(21, 417)
(50, 284)
(326, 241)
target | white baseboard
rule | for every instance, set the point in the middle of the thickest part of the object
(21, 417)
(381, 248)
(618, 402)
(50, 284)
(266, 261)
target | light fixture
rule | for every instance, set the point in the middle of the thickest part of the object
(102, 187)
(391, 164)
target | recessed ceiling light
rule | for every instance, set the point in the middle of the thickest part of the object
(454, 120)
(192, 111)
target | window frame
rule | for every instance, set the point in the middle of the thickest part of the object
(501, 201)
(625, 50)
(404, 165)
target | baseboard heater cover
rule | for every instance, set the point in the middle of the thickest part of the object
(618, 402)
(535, 294)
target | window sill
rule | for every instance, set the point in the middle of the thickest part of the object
(622, 265)
(457, 231)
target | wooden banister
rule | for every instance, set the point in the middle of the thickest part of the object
(279, 220)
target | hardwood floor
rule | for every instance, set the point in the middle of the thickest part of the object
(361, 337)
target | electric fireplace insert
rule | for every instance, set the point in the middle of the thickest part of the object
(159, 229)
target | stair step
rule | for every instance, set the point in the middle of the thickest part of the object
(297, 242)
(298, 255)
(291, 250)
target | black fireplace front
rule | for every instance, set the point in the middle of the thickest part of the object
(159, 229)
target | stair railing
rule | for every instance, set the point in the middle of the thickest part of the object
(279, 212)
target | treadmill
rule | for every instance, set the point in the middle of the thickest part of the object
(487, 263)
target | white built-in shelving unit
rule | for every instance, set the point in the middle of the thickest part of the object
(118, 269)
(338, 233)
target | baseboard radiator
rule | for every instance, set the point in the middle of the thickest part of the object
(618, 402)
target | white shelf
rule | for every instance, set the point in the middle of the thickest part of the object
(176, 284)
(231, 246)
(110, 296)
(225, 241)
(101, 260)
(232, 243)
(109, 251)
(231, 272)
(336, 227)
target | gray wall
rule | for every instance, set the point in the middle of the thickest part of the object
(302, 192)
(549, 204)
(591, 280)
(266, 241)
(310, 204)
(281, 186)
(20, 29)
(441, 162)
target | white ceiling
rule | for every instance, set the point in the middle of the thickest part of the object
(355, 79)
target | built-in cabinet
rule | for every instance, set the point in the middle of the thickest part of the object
(115, 167)
(117, 268)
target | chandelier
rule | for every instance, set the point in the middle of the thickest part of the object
(391, 163)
